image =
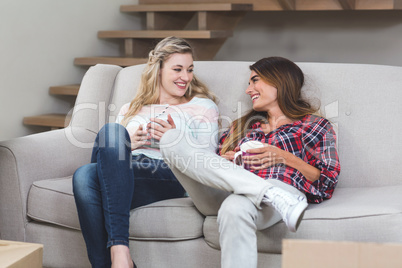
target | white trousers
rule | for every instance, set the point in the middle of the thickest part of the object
(219, 187)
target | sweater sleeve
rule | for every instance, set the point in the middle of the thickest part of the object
(205, 125)
(134, 123)
(122, 113)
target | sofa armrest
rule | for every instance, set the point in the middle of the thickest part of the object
(91, 109)
(32, 158)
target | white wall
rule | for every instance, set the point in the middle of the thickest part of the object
(39, 40)
(373, 37)
(38, 43)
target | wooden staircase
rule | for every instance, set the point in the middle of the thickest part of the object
(68, 90)
(205, 24)
(214, 23)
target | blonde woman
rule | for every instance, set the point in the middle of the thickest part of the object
(296, 163)
(127, 169)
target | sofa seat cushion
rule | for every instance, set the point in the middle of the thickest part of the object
(352, 214)
(168, 220)
(52, 201)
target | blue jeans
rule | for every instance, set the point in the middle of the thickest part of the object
(114, 183)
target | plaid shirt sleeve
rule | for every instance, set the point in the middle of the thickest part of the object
(221, 141)
(320, 152)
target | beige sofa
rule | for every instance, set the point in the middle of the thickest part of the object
(363, 101)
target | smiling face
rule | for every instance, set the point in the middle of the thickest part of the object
(176, 75)
(263, 95)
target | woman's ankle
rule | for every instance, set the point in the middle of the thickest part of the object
(120, 256)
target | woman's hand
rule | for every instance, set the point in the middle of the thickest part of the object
(230, 154)
(271, 155)
(265, 157)
(158, 127)
(139, 138)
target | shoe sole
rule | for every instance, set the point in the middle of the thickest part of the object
(297, 216)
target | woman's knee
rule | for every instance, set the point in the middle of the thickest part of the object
(171, 143)
(237, 207)
(84, 179)
(113, 136)
(111, 127)
(176, 143)
(113, 132)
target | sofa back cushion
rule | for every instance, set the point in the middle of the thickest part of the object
(362, 101)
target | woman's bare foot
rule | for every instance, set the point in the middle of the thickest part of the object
(120, 256)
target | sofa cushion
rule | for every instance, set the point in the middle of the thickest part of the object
(353, 214)
(172, 220)
(52, 201)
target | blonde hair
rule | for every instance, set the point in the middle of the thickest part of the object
(148, 89)
(288, 79)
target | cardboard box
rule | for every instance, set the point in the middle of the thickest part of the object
(20, 255)
(331, 254)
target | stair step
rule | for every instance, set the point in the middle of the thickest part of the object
(299, 5)
(187, 7)
(194, 34)
(69, 90)
(121, 61)
(48, 120)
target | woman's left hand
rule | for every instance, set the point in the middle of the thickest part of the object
(265, 157)
(230, 154)
(158, 127)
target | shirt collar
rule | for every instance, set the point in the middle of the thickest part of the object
(257, 125)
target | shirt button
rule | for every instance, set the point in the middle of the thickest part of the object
(348, 113)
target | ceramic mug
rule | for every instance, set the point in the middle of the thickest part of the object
(243, 151)
(146, 126)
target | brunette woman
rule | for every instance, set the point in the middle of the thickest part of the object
(296, 164)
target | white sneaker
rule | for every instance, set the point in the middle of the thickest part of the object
(290, 206)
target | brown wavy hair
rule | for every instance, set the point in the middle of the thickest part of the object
(288, 79)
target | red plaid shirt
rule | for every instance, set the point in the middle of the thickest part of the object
(313, 140)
